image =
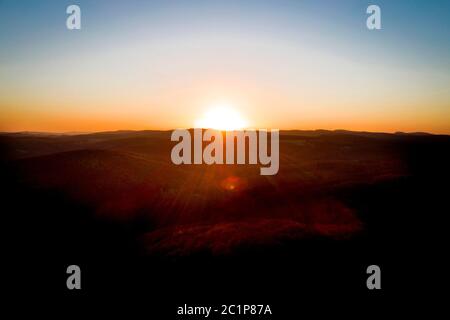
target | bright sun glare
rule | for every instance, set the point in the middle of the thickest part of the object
(221, 117)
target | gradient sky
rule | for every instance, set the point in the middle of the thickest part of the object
(281, 64)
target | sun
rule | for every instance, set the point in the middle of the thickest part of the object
(221, 117)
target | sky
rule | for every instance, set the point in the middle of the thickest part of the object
(279, 64)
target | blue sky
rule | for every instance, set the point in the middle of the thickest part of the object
(156, 55)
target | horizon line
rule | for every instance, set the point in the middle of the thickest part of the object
(68, 133)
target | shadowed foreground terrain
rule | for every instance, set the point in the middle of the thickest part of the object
(115, 204)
